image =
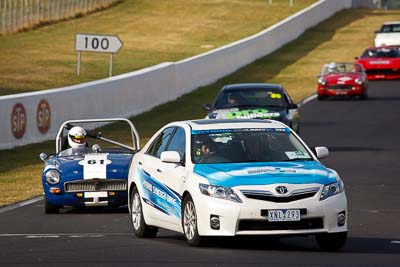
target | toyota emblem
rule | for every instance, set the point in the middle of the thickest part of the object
(281, 189)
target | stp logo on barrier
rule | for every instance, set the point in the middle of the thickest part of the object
(18, 120)
(43, 116)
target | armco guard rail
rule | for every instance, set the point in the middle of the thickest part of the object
(34, 117)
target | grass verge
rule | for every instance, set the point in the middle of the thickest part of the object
(295, 66)
(151, 31)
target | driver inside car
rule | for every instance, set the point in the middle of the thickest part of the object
(76, 141)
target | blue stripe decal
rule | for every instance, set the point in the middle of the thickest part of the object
(265, 173)
(159, 195)
(153, 205)
(242, 130)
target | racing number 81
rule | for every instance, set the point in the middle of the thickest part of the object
(93, 161)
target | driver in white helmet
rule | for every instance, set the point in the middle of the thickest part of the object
(77, 137)
(76, 141)
(332, 67)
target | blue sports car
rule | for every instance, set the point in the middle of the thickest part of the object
(255, 101)
(86, 176)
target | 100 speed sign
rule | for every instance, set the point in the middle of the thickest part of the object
(97, 43)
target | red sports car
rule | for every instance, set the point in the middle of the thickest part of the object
(342, 79)
(381, 62)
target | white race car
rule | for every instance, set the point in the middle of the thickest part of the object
(389, 34)
(208, 178)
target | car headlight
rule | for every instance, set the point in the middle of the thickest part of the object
(332, 190)
(322, 81)
(219, 192)
(53, 176)
(358, 81)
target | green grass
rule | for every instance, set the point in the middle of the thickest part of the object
(295, 66)
(152, 31)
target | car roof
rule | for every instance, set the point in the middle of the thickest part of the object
(241, 86)
(336, 62)
(391, 22)
(204, 124)
(383, 46)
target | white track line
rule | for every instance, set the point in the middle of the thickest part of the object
(308, 99)
(70, 235)
(20, 204)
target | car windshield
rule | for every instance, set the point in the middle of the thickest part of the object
(75, 152)
(341, 68)
(250, 97)
(392, 52)
(390, 28)
(246, 145)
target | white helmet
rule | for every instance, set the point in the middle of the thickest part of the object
(77, 137)
(332, 67)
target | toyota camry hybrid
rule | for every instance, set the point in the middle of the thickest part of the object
(208, 178)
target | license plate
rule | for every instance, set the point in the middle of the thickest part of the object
(283, 215)
(341, 93)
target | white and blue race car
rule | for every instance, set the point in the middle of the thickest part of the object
(91, 176)
(207, 178)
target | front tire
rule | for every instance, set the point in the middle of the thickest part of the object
(50, 208)
(189, 223)
(331, 242)
(321, 97)
(140, 228)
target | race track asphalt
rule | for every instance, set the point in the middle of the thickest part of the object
(363, 138)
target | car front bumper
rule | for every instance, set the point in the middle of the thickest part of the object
(359, 90)
(88, 199)
(249, 217)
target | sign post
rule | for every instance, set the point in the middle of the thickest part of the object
(96, 43)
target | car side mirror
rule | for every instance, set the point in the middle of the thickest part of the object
(206, 107)
(356, 58)
(321, 152)
(377, 31)
(170, 157)
(43, 157)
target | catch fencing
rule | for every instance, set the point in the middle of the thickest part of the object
(18, 15)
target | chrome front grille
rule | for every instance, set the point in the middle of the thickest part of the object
(340, 87)
(269, 196)
(93, 185)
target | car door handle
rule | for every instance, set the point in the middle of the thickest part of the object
(158, 170)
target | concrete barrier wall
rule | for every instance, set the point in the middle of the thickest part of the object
(33, 117)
